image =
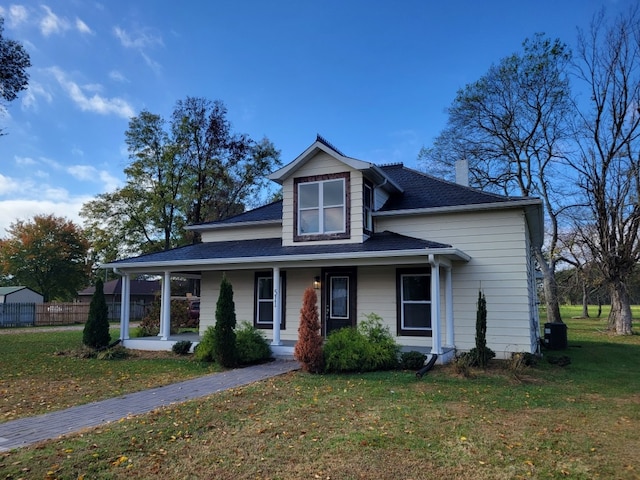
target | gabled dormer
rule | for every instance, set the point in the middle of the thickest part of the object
(329, 197)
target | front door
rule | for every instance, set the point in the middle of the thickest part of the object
(338, 299)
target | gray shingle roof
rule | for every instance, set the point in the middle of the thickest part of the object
(424, 191)
(272, 247)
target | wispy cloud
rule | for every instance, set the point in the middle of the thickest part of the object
(9, 185)
(34, 91)
(52, 23)
(83, 27)
(92, 103)
(88, 173)
(15, 15)
(140, 41)
(118, 76)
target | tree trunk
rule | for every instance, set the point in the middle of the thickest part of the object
(620, 315)
(585, 301)
(550, 288)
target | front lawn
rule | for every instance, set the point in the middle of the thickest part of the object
(580, 421)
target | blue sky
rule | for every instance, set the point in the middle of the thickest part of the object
(372, 77)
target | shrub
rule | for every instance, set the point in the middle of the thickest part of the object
(179, 314)
(412, 360)
(481, 354)
(308, 349)
(252, 346)
(96, 330)
(204, 350)
(115, 353)
(383, 347)
(366, 348)
(224, 347)
(346, 350)
(182, 347)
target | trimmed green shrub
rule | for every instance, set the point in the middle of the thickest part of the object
(224, 347)
(96, 330)
(252, 346)
(368, 347)
(481, 355)
(412, 360)
(182, 347)
(204, 350)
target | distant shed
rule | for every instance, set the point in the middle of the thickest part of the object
(19, 295)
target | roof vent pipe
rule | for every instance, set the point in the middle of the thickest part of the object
(462, 172)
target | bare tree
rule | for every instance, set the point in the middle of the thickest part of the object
(608, 61)
(512, 127)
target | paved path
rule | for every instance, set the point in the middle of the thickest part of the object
(30, 430)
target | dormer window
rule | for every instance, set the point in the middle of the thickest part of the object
(367, 208)
(322, 210)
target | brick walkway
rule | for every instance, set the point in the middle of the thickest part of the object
(30, 430)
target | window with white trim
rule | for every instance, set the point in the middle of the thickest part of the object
(367, 208)
(321, 207)
(414, 302)
(263, 304)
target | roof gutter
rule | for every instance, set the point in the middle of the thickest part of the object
(462, 208)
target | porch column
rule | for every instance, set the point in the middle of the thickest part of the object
(125, 312)
(276, 307)
(435, 305)
(165, 307)
(448, 292)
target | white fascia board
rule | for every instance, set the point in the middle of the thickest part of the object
(215, 226)
(373, 258)
(462, 208)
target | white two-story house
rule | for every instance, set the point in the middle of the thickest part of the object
(411, 248)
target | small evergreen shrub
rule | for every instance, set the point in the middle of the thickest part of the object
(224, 348)
(252, 346)
(204, 350)
(96, 330)
(308, 349)
(412, 360)
(481, 355)
(182, 347)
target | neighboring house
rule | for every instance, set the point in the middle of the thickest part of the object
(389, 240)
(142, 293)
(19, 295)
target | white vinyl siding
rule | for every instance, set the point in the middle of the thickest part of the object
(243, 232)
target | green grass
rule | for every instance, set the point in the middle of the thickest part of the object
(40, 373)
(580, 421)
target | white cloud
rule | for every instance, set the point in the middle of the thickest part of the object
(118, 77)
(9, 185)
(25, 209)
(88, 173)
(16, 15)
(34, 91)
(140, 41)
(25, 161)
(51, 23)
(95, 103)
(83, 27)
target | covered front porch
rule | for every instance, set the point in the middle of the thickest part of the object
(350, 280)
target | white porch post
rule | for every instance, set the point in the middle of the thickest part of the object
(165, 302)
(276, 307)
(448, 289)
(125, 311)
(435, 306)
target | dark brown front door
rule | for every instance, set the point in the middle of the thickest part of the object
(338, 299)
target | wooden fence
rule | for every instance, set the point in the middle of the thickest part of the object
(41, 314)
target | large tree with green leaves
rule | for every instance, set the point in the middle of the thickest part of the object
(608, 163)
(47, 254)
(192, 170)
(511, 126)
(14, 61)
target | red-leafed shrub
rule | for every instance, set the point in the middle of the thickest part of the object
(308, 350)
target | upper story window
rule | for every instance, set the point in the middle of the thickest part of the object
(367, 206)
(322, 207)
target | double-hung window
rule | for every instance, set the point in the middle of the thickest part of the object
(263, 304)
(321, 207)
(414, 302)
(367, 208)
